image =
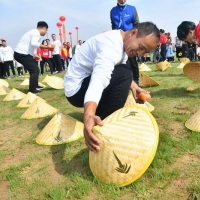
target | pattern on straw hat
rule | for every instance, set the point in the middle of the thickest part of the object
(4, 90)
(144, 68)
(55, 82)
(185, 60)
(146, 81)
(4, 82)
(39, 109)
(61, 129)
(192, 71)
(25, 82)
(129, 141)
(181, 66)
(193, 123)
(131, 102)
(28, 100)
(162, 66)
(14, 94)
(45, 79)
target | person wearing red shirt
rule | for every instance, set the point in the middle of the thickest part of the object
(188, 31)
(45, 54)
(163, 41)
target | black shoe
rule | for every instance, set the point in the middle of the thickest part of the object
(36, 91)
(39, 87)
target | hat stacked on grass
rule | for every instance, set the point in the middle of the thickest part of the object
(193, 123)
(61, 129)
(45, 79)
(146, 81)
(185, 60)
(143, 68)
(55, 82)
(39, 109)
(162, 66)
(129, 139)
(181, 66)
(14, 94)
(4, 83)
(26, 82)
(4, 90)
(192, 71)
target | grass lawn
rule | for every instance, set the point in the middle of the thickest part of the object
(30, 171)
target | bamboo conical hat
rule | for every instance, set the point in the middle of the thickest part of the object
(61, 129)
(131, 102)
(4, 90)
(146, 81)
(194, 122)
(190, 89)
(28, 100)
(45, 79)
(144, 68)
(192, 71)
(40, 84)
(162, 66)
(129, 139)
(39, 109)
(185, 60)
(181, 65)
(55, 82)
(25, 82)
(14, 94)
(4, 82)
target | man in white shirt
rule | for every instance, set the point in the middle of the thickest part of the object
(1, 64)
(26, 50)
(7, 59)
(57, 53)
(98, 82)
(78, 46)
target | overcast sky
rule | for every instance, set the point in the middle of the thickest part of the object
(91, 16)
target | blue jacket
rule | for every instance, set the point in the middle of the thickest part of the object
(169, 51)
(124, 18)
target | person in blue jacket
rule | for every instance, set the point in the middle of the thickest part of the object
(125, 17)
(169, 52)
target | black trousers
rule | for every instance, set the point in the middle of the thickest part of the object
(6, 68)
(191, 54)
(1, 70)
(58, 62)
(20, 71)
(163, 52)
(114, 95)
(32, 67)
(132, 62)
(46, 60)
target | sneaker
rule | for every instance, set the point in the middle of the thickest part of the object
(8, 77)
(60, 72)
(36, 91)
(39, 87)
(55, 72)
(26, 73)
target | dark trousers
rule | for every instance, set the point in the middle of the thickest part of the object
(163, 52)
(191, 54)
(46, 60)
(53, 64)
(1, 70)
(58, 62)
(114, 95)
(20, 71)
(6, 68)
(32, 67)
(134, 67)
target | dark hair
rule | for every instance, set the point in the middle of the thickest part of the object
(162, 31)
(43, 41)
(53, 34)
(3, 41)
(184, 28)
(47, 39)
(42, 24)
(147, 28)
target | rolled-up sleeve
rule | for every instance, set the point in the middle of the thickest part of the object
(103, 67)
(35, 40)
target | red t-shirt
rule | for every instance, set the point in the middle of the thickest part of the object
(163, 39)
(198, 32)
(44, 53)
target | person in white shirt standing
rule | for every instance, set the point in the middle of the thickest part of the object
(26, 50)
(1, 64)
(57, 53)
(96, 79)
(7, 59)
(78, 46)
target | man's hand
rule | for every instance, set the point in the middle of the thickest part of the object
(91, 140)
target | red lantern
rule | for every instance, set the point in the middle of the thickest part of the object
(62, 19)
(76, 28)
(59, 25)
(70, 33)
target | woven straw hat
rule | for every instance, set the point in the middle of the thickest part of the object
(190, 89)
(25, 82)
(192, 71)
(131, 102)
(28, 100)
(129, 140)
(181, 65)
(40, 84)
(194, 122)
(4, 90)
(55, 82)
(61, 129)
(144, 68)
(146, 81)
(39, 109)
(185, 60)
(45, 79)
(162, 66)
(14, 95)
(3, 82)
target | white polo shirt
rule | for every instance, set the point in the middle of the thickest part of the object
(6, 53)
(29, 43)
(96, 57)
(57, 44)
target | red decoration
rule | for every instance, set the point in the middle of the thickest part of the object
(59, 25)
(76, 27)
(70, 35)
(62, 19)
(76, 34)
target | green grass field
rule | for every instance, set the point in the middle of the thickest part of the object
(29, 171)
